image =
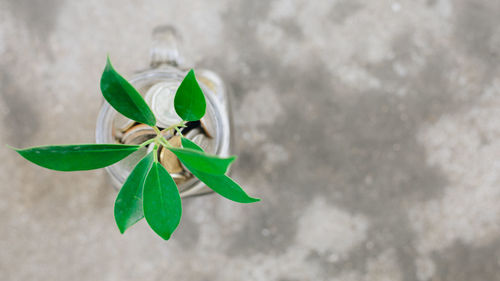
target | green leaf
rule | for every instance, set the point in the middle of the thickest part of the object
(128, 204)
(161, 201)
(199, 160)
(123, 97)
(77, 157)
(189, 101)
(187, 143)
(225, 186)
(221, 184)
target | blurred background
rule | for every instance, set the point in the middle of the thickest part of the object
(370, 129)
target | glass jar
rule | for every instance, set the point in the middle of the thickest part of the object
(158, 85)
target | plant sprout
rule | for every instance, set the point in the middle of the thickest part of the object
(149, 191)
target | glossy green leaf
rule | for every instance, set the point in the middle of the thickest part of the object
(128, 204)
(161, 201)
(221, 184)
(187, 143)
(189, 101)
(201, 161)
(77, 157)
(124, 97)
(225, 186)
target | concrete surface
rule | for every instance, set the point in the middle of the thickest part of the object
(370, 129)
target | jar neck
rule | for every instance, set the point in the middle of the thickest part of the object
(165, 48)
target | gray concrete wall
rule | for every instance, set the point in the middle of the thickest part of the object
(369, 128)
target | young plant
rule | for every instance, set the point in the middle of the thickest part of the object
(149, 191)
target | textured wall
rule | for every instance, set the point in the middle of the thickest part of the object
(370, 129)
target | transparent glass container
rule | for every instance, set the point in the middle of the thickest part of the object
(158, 85)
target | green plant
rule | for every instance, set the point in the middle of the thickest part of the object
(149, 190)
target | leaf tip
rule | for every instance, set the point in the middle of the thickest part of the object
(13, 148)
(166, 236)
(230, 160)
(120, 226)
(249, 200)
(108, 62)
(122, 230)
(191, 73)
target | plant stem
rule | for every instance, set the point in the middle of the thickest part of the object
(180, 124)
(179, 131)
(155, 152)
(164, 142)
(147, 142)
(157, 131)
(160, 139)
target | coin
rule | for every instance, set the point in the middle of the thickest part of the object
(197, 136)
(160, 98)
(178, 178)
(127, 124)
(138, 134)
(168, 159)
(207, 125)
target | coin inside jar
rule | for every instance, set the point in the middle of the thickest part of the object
(197, 136)
(160, 97)
(137, 134)
(208, 126)
(168, 159)
(179, 178)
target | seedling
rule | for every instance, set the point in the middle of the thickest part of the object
(149, 191)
